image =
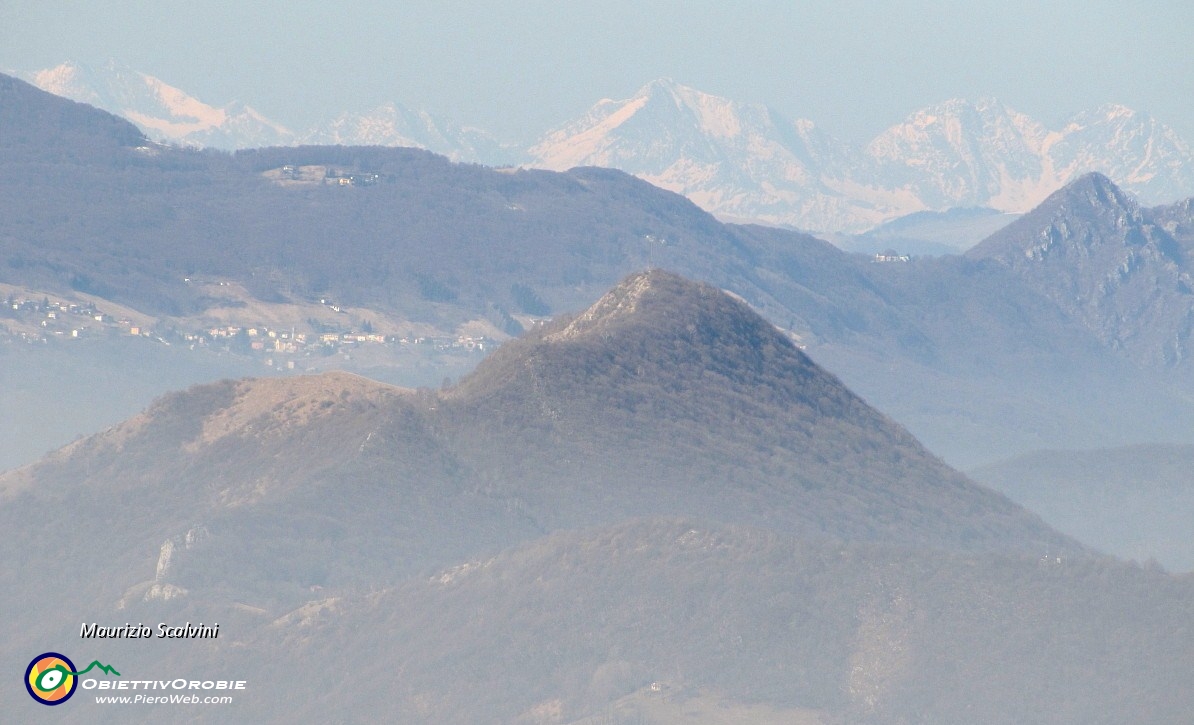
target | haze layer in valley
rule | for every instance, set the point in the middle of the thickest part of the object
(400, 265)
(658, 505)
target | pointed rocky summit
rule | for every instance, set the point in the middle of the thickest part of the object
(1108, 263)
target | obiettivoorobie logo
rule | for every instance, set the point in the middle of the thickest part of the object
(51, 678)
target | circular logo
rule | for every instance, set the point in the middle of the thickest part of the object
(50, 678)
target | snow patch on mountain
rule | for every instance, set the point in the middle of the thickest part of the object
(742, 161)
(587, 141)
(162, 111)
(167, 113)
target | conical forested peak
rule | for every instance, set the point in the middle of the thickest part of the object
(674, 391)
(667, 303)
(655, 328)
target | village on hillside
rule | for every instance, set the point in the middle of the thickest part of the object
(39, 321)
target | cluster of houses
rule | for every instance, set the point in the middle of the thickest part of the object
(335, 177)
(68, 320)
(58, 319)
(264, 339)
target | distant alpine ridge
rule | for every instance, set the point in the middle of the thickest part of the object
(739, 161)
(746, 162)
(161, 111)
(168, 114)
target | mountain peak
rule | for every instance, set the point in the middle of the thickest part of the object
(664, 384)
(160, 109)
(1115, 111)
(680, 94)
(1102, 259)
(662, 85)
(653, 296)
(654, 324)
(738, 160)
(1097, 191)
(1091, 195)
(1068, 216)
(960, 109)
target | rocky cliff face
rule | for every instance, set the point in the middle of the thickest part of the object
(1105, 260)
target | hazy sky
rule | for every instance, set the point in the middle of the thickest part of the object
(517, 68)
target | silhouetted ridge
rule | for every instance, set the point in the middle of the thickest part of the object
(30, 117)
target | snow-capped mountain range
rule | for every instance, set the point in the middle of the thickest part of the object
(747, 162)
(162, 111)
(739, 161)
(393, 124)
(168, 114)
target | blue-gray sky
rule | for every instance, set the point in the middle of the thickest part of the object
(519, 67)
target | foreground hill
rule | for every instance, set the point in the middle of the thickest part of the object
(666, 397)
(688, 385)
(657, 505)
(673, 620)
(654, 620)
